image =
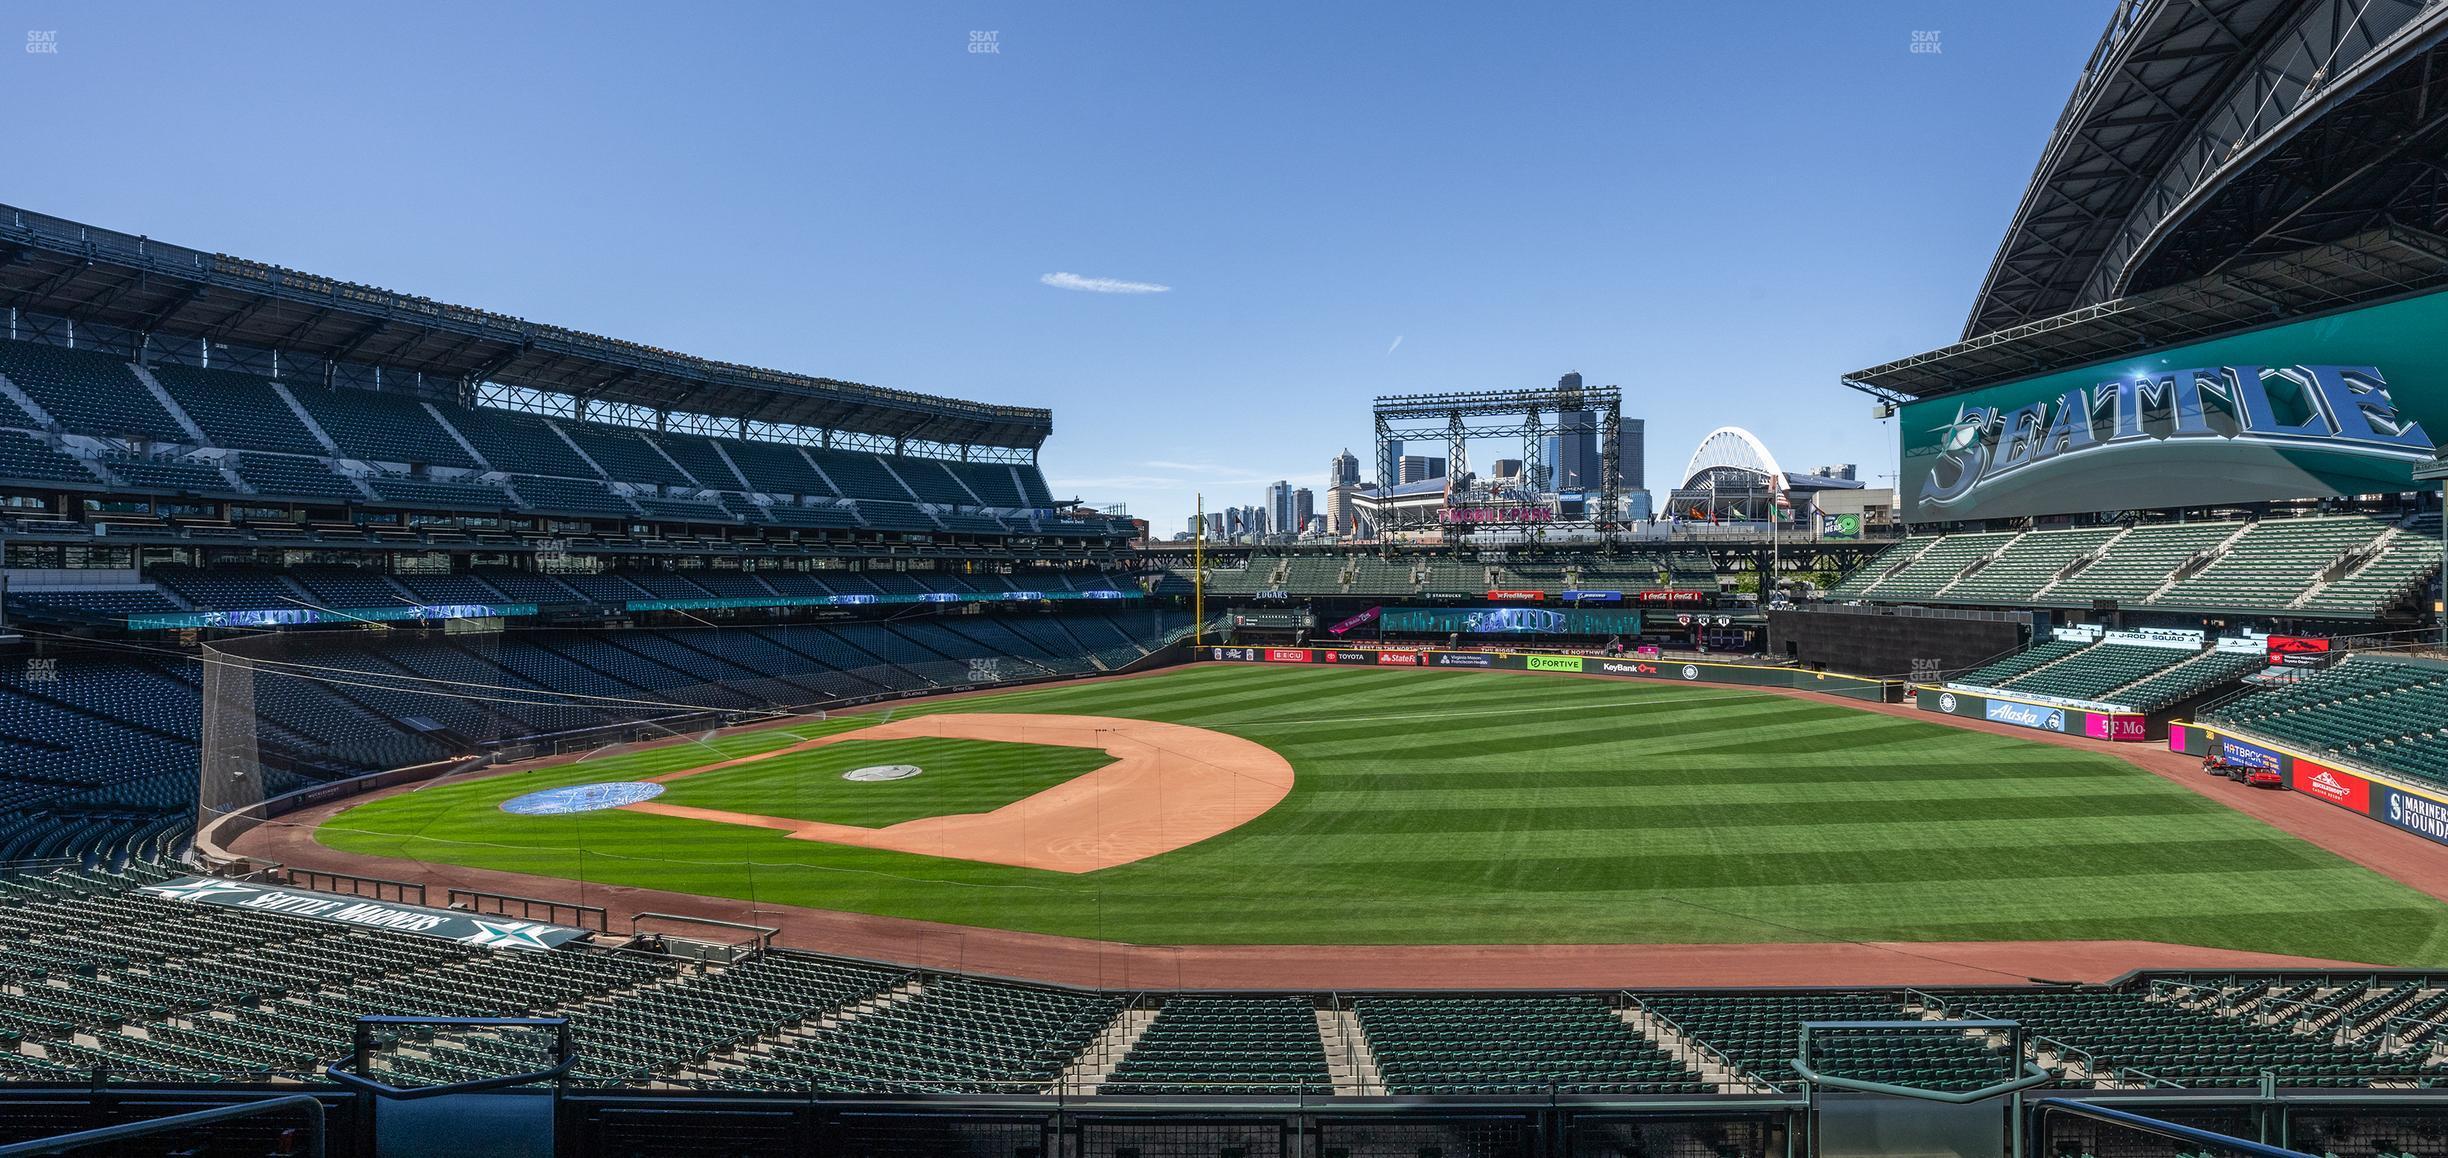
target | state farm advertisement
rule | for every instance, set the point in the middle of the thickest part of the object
(2344, 789)
(1399, 658)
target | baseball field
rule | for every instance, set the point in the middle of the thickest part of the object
(1267, 805)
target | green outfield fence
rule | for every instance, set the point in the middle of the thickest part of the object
(1620, 666)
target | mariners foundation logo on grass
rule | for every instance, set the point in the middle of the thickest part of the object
(2344, 409)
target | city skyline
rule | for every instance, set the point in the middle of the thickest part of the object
(999, 227)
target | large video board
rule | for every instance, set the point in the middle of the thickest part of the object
(2336, 405)
(1513, 620)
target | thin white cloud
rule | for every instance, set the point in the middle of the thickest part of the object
(1102, 285)
(1397, 342)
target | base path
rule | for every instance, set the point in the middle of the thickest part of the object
(1169, 785)
(1107, 964)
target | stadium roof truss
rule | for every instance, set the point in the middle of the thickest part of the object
(2391, 261)
(55, 267)
(2172, 156)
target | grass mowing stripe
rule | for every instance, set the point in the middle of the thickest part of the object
(1473, 807)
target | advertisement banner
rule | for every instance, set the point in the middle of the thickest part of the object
(2335, 785)
(292, 616)
(1513, 620)
(488, 932)
(1593, 597)
(1461, 659)
(2343, 404)
(1340, 656)
(2243, 755)
(1399, 658)
(2298, 651)
(1516, 596)
(1663, 596)
(2120, 728)
(2027, 715)
(2410, 812)
(1555, 663)
(1845, 526)
(1287, 655)
(1368, 616)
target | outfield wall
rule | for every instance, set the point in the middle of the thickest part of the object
(2401, 803)
(1629, 667)
(2119, 727)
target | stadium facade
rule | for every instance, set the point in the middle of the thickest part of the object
(2187, 440)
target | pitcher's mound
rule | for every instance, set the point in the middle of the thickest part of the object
(875, 772)
(1170, 785)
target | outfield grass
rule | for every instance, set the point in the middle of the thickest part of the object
(1497, 807)
(959, 776)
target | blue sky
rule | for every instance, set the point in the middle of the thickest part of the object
(1720, 208)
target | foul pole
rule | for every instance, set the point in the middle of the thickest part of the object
(1198, 579)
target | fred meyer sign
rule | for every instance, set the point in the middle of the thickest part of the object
(488, 932)
(2338, 405)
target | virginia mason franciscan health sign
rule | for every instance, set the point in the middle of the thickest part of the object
(2335, 405)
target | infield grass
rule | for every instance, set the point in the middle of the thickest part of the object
(1451, 807)
(959, 776)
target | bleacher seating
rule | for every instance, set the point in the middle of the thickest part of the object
(2096, 672)
(1226, 1045)
(509, 440)
(1490, 1045)
(238, 411)
(27, 458)
(2389, 714)
(2027, 565)
(87, 391)
(102, 981)
(559, 466)
(2347, 566)
(1865, 580)
(2272, 564)
(1934, 568)
(382, 427)
(280, 476)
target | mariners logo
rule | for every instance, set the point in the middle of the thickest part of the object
(1691, 672)
(509, 935)
(1946, 703)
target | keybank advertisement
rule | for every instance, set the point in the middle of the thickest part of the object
(2027, 715)
(2344, 404)
(1513, 620)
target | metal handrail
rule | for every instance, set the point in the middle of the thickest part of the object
(358, 1079)
(2032, 1073)
(2150, 1125)
(126, 1131)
